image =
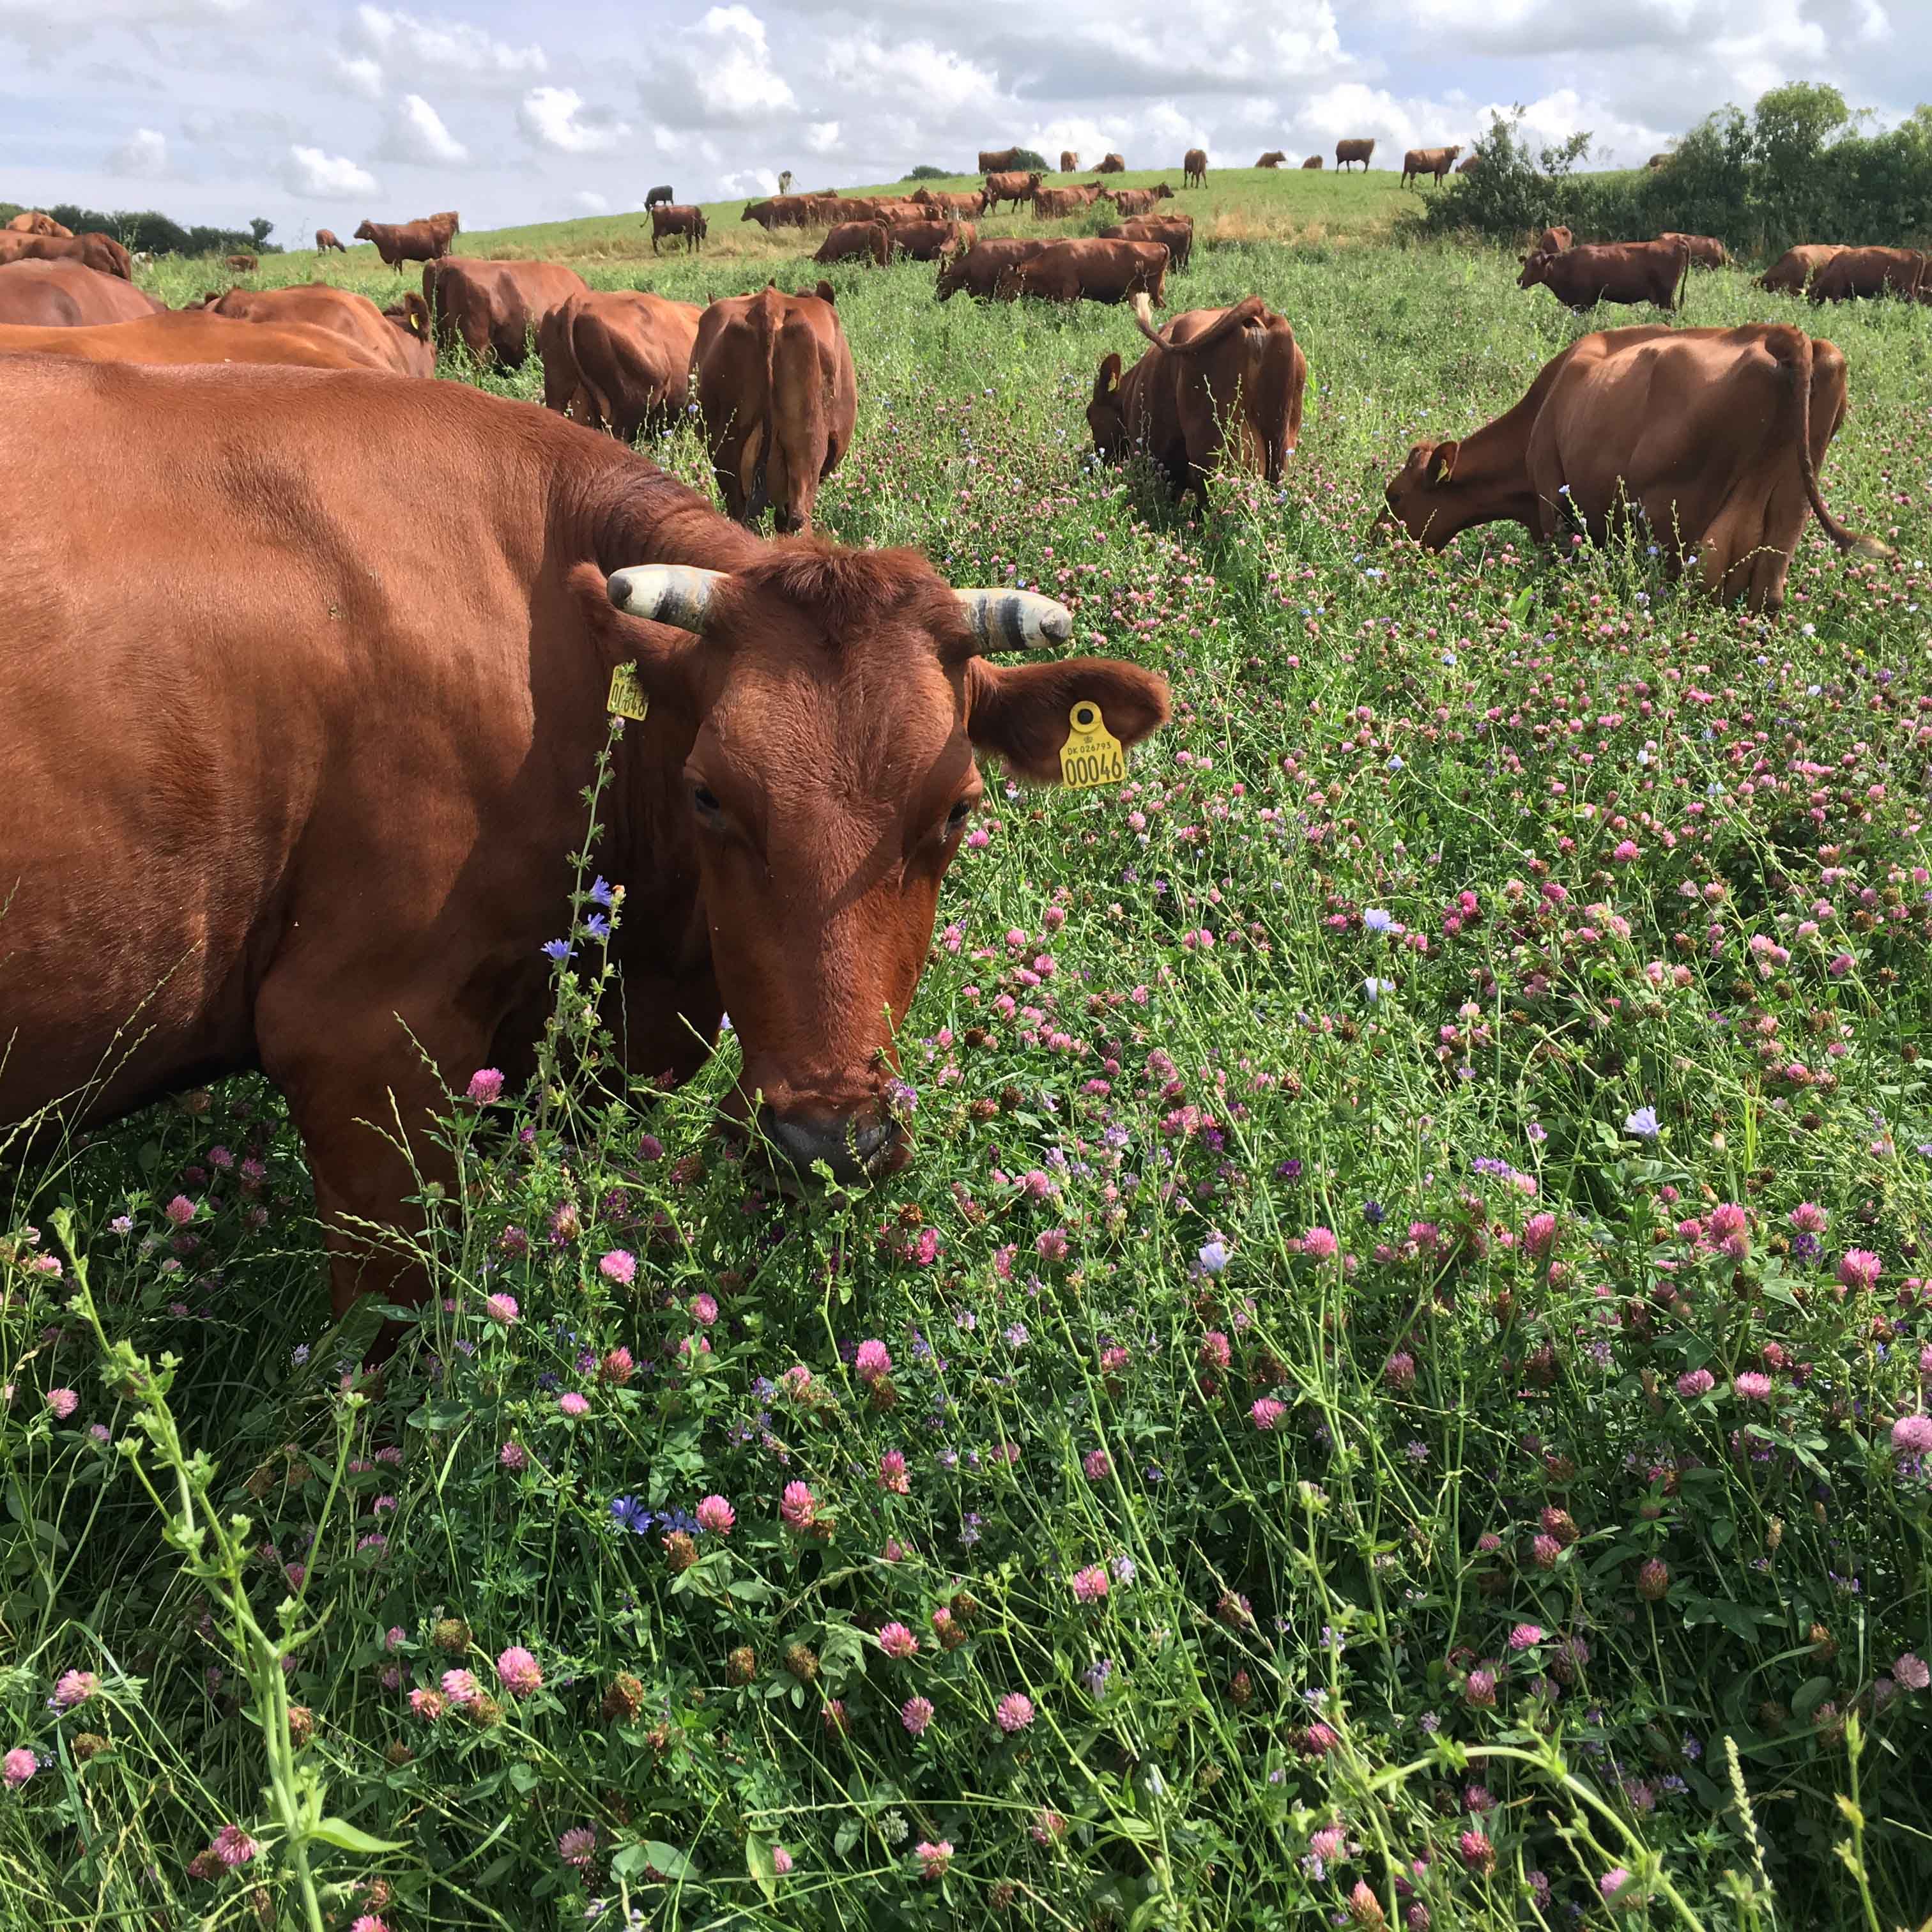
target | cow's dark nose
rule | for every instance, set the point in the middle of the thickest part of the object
(854, 1150)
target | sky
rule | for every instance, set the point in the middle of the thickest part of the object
(320, 114)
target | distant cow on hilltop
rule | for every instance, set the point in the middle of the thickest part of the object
(1112, 164)
(1421, 161)
(399, 242)
(1346, 151)
(1272, 158)
(1069, 160)
(1001, 160)
(659, 197)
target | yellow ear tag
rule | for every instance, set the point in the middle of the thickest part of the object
(1092, 754)
(627, 698)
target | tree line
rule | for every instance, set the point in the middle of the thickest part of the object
(146, 231)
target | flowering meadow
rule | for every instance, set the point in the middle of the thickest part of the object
(1395, 1391)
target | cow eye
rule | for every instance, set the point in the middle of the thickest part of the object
(706, 800)
(958, 815)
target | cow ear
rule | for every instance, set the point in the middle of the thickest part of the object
(1108, 379)
(1023, 713)
(826, 293)
(1442, 464)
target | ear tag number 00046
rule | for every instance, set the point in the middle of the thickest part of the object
(627, 698)
(1092, 754)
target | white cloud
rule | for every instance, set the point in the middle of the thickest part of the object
(943, 82)
(453, 49)
(591, 202)
(416, 134)
(749, 181)
(311, 173)
(359, 74)
(144, 154)
(556, 117)
(822, 136)
(720, 72)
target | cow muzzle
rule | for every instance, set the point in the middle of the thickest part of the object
(856, 1148)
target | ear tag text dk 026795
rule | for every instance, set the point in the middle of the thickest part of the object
(1092, 754)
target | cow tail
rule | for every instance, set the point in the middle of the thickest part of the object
(1248, 309)
(1792, 348)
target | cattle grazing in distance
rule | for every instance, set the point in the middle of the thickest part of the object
(780, 211)
(1795, 268)
(240, 264)
(1012, 186)
(1054, 204)
(929, 240)
(981, 268)
(1069, 160)
(1854, 274)
(32, 221)
(101, 252)
(1468, 164)
(1714, 435)
(494, 308)
(68, 294)
(1174, 233)
(1347, 152)
(366, 912)
(1272, 158)
(1001, 160)
(326, 240)
(1706, 250)
(1657, 161)
(1194, 168)
(1313, 161)
(1434, 161)
(174, 338)
(659, 197)
(1554, 241)
(1134, 201)
(784, 181)
(777, 391)
(1112, 164)
(1614, 271)
(1217, 384)
(942, 202)
(428, 240)
(862, 241)
(619, 359)
(399, 344)
(1089, 271)
(871, 208)
(677, 220)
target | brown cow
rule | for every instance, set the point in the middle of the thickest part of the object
(957, 206)
(396, 242)
(384, 802)
(1791, 271)
(494, 308)
(1194, 168)
(1069, 160)
(1272, 158)
(1855, 273)
(1614, 271)
(1013, 187)
(930, 240)
(865, 240)
(68, 294)
(240, 264)
(1554, 241)
(1174, 233)
(981, 268)
(175, 336)
(777, 392)
(675, 218)
(1348, 151)
(1089, 271)
(394, 345)
(778, 210)
(1135, 201)
(101, 252)
(32, 221)
(619, 359)
(1054, 204)
(1436, 161)
(999, 160)
(1715, 435)
(1469, 164)
(325, 240)
(1112, 164)
(1313, 161)
(1658, 161)
(1215, 380)
(1706, 250)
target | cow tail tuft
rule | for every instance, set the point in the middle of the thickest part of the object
(1792, 348)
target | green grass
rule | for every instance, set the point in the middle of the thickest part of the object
(1480, 1431)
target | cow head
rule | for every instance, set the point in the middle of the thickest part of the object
(1162, 192)
(835, 701)
(365, 233)
(1535, 268)
(1422, 496)
(1105, 416)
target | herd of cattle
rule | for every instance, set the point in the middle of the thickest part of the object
(367, 828)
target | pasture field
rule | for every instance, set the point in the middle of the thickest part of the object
(1392, 1393)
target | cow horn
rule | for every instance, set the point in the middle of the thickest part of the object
(1015, 620)
(677, 594)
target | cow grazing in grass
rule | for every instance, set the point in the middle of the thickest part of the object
(325, 242)
(1657, 161)
(1089, 271)
(681, 222)
(661, 197)
(1001, 160)
(494, 308)
(1615, 271)
(1194, 168)
(348, 728)
(929, 240)
(1793, 269)
(1136, 201)
(68, 294)
(1554, 241)
(1468, 164)
(1112, 164)
(1714, 435)
(399, 345)
(1706, 250)
(1054, 204)
(428, 240)
(1853, 273)
(980, 270)
(1313, 161)
(777, 392)
(176, 338)
(619, 359)
(1014, 187)
(1349, 152)
(101, 252)
(941, 202)
(1069, 160)
(855, 240)
(240, 264)
(1435, 162)
(1218, 385)
(1175, 233)
(32, 221)
(1273, 158)
(779, 211)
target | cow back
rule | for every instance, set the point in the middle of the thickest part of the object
(67, 294)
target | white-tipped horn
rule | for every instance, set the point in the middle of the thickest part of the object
(1015, 620)
(677, 594)
(1143, 307)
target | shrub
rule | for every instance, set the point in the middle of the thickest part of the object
(926, 171)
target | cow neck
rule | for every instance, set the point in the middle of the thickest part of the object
(1491, 482)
